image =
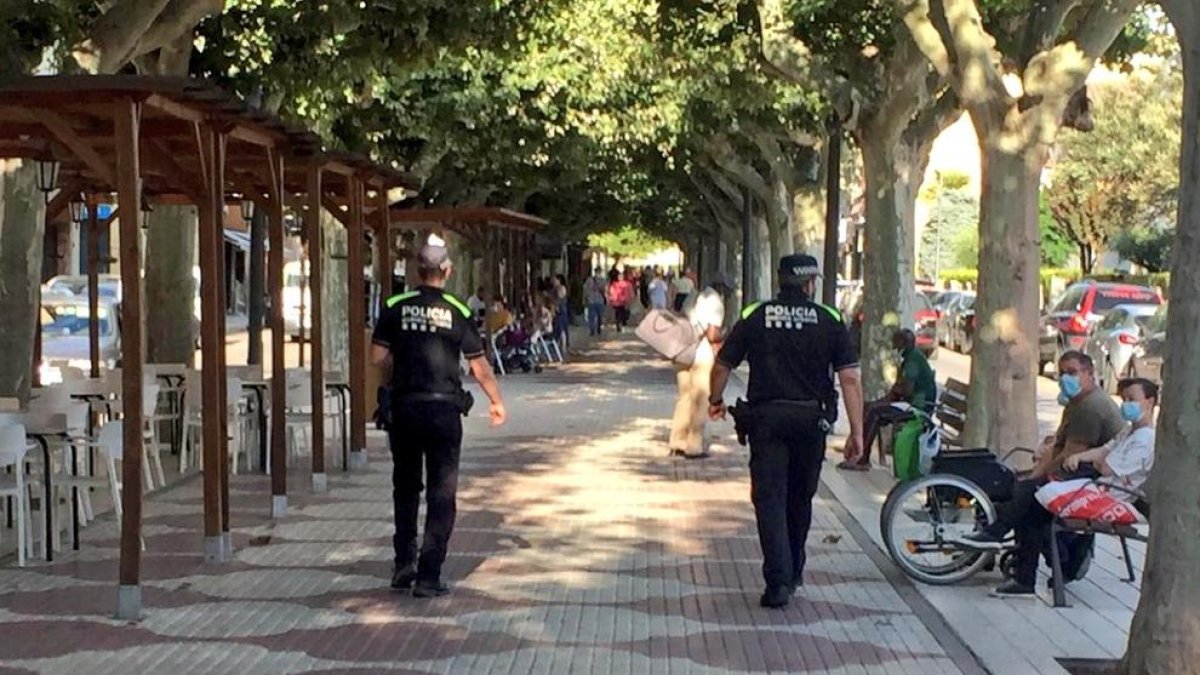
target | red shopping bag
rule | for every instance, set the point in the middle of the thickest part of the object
(1082, 499)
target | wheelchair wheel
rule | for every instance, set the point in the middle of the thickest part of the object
(921, 520)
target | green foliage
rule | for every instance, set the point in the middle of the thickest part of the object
(628, 242)
(1149, 247)
(1125, 173)
(951, 238)
(1057, 248)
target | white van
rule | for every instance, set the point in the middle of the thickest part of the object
(295, 276)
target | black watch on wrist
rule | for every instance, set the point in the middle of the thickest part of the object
(719, 401)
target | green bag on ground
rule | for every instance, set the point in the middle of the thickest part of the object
(906, 454)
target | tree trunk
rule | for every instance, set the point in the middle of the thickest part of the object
(1165, 636)
(170, 287)
(888, 265)
(783, 224)
(763, 260)
(256, 309)
(1001, 413)
(22, 227)
(336, 308)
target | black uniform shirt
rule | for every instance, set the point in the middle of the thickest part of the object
(426, 331)
(794, 346)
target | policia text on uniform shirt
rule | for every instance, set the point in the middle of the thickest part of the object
(794, 346)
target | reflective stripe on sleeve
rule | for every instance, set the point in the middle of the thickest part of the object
(395, 299)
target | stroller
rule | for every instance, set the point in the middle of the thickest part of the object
(514, 351)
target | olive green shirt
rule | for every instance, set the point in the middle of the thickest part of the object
(1090, 419)
(915, 369)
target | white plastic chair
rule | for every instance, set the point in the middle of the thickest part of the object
(109, 444)
(151, 448)
(497, 359)
(193, 411)
(13, 446)
(298, 408)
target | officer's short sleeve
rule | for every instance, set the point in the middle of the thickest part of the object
(383, 330)
(843, 353)
(471, 344)
(737, 344)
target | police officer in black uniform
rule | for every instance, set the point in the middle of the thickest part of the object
(794, 346)
(421, 335)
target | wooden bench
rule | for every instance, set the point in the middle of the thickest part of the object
(951, 411)
(1092, 527)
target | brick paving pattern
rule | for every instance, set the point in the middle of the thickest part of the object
(580, 548)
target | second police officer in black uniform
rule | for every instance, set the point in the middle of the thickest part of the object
(795, 346)
(421, 335)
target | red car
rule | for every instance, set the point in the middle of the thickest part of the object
(1068, 323)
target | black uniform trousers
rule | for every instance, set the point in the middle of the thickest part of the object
(426, 440)
(786, 452)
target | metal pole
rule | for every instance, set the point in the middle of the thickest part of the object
(748, 294)
(833, 211)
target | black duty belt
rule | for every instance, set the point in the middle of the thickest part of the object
(463, 400)
(429, 398)
(808, 405)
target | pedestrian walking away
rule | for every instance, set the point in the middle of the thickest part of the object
(693, 381)
(425, 331)
(793, 345)
(620, 296)
(683, 290)
(593, 295)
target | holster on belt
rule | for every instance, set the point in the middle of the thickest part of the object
(743, 419)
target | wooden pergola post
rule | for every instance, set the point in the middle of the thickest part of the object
(218, 235)
(278, 454)
(93, 282)
(129, 190)
(358, 323)
(316, 259)
(383, 247)
(212, 342)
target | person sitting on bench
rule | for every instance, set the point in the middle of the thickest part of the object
(1124, 462)
(916, 387)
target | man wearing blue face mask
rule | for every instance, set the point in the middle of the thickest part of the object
(1090, 420)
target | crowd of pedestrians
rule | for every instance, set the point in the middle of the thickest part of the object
(623, 291)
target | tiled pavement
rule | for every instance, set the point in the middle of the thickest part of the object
(580, 548)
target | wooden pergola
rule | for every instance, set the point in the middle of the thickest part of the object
(183, 141)
(499, 234)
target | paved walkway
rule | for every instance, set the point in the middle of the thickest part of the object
(581, 547)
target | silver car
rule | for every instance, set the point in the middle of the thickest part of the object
(65, 337)
(1114, 339)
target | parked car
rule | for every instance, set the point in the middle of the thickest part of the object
(924, 324)
(942, 303)
(960, 324)
(1068, 323)
(66, 338)
(1148, 355)
(77, 284)
(1114, 339)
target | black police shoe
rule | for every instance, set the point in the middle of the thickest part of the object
(430, 589)
(403, 577)
(777, 597)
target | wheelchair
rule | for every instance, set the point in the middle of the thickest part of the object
(922, 519)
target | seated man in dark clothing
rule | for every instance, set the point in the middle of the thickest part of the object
(916, 386)
(1090, 420)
